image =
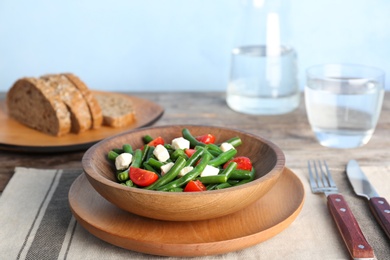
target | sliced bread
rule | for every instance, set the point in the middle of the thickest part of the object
(74, 100)
(116, 108)
(33, 104)
(93, 105)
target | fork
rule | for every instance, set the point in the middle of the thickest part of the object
(321, 182)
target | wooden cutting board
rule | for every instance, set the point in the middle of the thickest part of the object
(18, 137)
(264, 219)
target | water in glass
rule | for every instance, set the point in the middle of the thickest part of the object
(263, 83)
(345, 113)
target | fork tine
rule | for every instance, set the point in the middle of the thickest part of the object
(320, 176)
(319, 179)
(330, 179)
(324, 174)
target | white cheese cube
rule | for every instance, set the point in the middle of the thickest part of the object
(161, 153)
(209, 171)
(185, 170)
(123, 161)
(226, 147)
(166, 167)
(180, 143)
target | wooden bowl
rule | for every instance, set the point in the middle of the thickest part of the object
(267, 158)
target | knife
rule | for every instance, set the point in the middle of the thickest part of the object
(362, 187)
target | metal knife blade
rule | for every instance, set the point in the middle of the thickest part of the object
(359, 181)
(362, 187)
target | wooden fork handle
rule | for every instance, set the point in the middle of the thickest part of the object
(381, 210)
(353, 237)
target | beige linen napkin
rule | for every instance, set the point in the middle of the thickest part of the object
(36, 223)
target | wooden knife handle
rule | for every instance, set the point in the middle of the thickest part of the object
(349, 228)
(381, 209)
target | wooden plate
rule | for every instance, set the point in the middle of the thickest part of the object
(262, 220)
(17, 137)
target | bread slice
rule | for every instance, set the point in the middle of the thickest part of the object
(31, 103)
(117, 109)
(74, 100)
(93, 105)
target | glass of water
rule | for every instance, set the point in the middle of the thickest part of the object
(343, 103)
(263, 80)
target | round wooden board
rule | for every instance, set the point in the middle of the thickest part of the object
(262, 220)
(17, 137)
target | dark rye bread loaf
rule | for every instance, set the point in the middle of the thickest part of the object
(33, 104)
(74, 100)
(58, 104)
(93, 105)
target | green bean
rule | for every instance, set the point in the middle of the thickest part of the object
(243, 182)
(177, 153)
(129, 183)
(195, 157)
(127, 148)
(239, 174)
(118, 150)
(137, 159)
(147, 139)
(252, 174)
(148, 167)
(223, 186)
(193, 142)
(191, 175)
(211, 186)
(149, 154)
(214, 148)
(232, 166)
(252, 177)
(220, 178)
(170, 175)
(112, 155)
(155, 163)
(235, 141)
(198, 169)
(176, 190)
(145, 152)
(212, 153)
(199, 147)
(123, 175)
(233, 182)
(223, 158)
(169, 148)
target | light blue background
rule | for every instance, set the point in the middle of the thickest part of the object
(174, 45)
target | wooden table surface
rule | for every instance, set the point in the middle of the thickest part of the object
(290, 131)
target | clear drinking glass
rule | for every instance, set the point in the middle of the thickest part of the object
(261, 83)
(343, 103)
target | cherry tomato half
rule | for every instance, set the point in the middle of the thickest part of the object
(142, 177)
(156, 141)
(206, 139)
(243, 163)
(189, 152)
(196, 185)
